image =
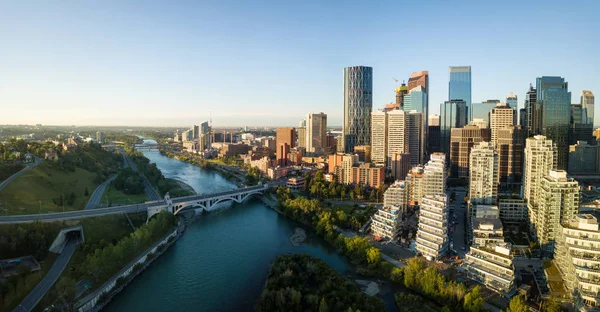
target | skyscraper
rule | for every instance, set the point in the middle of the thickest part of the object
(512, 101)
(285, 140)
(419, 79)
(415, 137)
(302, 133)
(379, 131)
(483, 174)
(555, 100)
(433, 134)
(434, 175)
(482, 110)
(579, 128)
(540, 158)
(452, 115)
(358, 103)
(534, 113)
(432, 235)
(396, 134)
(316, 133)
(510, 145)
(587, 102)
(400, 92)
(461, 142)
(500, 117)
(459, 86)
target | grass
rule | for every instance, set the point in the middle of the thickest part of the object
(7, 170)
(113, 196)
(175, 188)
(42, 184)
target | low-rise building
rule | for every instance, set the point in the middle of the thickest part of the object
(275, 173)
(492, 267)
(432, 235)
(233, 149)
(368, 174)
(295, 183)
(386, 222)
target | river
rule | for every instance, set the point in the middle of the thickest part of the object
(222, 261)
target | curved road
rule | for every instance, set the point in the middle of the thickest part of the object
(16, 175)
(97, 194)
(38, 292)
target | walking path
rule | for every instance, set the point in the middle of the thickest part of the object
(38, 292)
(98, 192)
(16, 175)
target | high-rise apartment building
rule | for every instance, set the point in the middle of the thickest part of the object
(385, 223)
(100, 137)
(453, 114)
(358, 104)
(285, 140)
(540, 158)
(587, 101)
(368, 174)
(483, 174)
(510, 146)
(302, 134)
(432, 234)
(461, 142)
(316, 133)
(414, 183)
(459, 86)
(493, 267)
(555, 100)
(204, 138)
(400, 165)
(482, 110)
(396, 195)
(558, 201)
(434, 175)
(379, 139)
(500, 117)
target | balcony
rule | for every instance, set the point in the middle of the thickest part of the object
(597, 249)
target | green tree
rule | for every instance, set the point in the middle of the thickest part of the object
(323, 305)
(517, 304)
(66, 289)
(474, 302)
(373, 256)
(552, 305)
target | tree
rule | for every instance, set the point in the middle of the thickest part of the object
(474, 301)
(517, 304)
(23, 269)
(552, 305)
(86, 193)
(66, 289)
(373, 256)
(323, 305)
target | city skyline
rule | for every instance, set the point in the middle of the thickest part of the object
(168, 66)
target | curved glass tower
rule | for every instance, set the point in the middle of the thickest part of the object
(358, 104)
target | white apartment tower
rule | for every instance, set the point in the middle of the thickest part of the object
(379, 132)
(540, 158)
(434, 175)
(483, 174)
(316, 132)
(396, 195)
(501, 116)
(396, 134)
(432, 234)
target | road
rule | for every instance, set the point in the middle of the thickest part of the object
(38, 292)
(16, 175)
(79, 214)
(98, 192)
(150, 191)
(459, 235)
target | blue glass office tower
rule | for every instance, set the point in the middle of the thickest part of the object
(358, 104)
(554, 99)
(459, 86)
(452, 115)
(482, 110)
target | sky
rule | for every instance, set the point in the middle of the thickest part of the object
(269, 63)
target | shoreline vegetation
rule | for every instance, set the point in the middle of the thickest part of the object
(298, 237)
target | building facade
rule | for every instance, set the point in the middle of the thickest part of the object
(385, 223)
(483, 174)
(459, 86)
(587, 101)
(584, 159)
(434, 175)
(379, 132)
(432, 234)
(510, 145)
(462, 141)
(501, 116)
(358, 104)
(453, 114)
(540, 158)
(396, 195)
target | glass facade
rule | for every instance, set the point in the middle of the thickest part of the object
(482, 110)
(358, 104)
(459, 87)
(554, 99)
(452, 115)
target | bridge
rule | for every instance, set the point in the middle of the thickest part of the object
(146, 147)
(196, 203)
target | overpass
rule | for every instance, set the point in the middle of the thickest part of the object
(197, 203)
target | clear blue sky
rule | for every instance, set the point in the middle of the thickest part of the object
(270, 63)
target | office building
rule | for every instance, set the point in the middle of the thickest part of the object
(400, 165)
(316, 133)
(433, 134)
(419, 79)
(534, 113)
(434, 175)
(379, 133)
(204, 137)
(432, 234)
(539, 159)
(482, 110)
(523, 118)
(416, 100)
(385, 223)
(512, 101)
(195, 132)
(459, 86)
(493, 267)
(187, 135)
(358, 104)
(401, 91)
(584, 159)
(364, 153)
(579, 128)
(301, 133)
(453, 114)
(479, 123)
(510, 145)
(577, 256)
(396, 195)
(555, 100)
(461, 142)
(558, 201)
(501, 116)
(587, 101)
(483, 174)
(286, 140)
(397, 134)
(177, 136)
(100, 137)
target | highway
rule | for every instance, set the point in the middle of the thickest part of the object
(98, 192)
(79, 214)
(16, 175)
(38, 292)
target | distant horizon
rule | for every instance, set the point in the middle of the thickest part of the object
(164, 64)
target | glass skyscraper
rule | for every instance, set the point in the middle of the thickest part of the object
(452, 115)
(482, 110)
(358, 104)
(554, 99)
(459, 86)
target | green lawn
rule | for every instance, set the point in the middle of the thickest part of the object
(114, 197)
(42, 184)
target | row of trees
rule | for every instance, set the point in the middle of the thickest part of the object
(90, 157)
(129, 181)
(316, 186)
(304, 283)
